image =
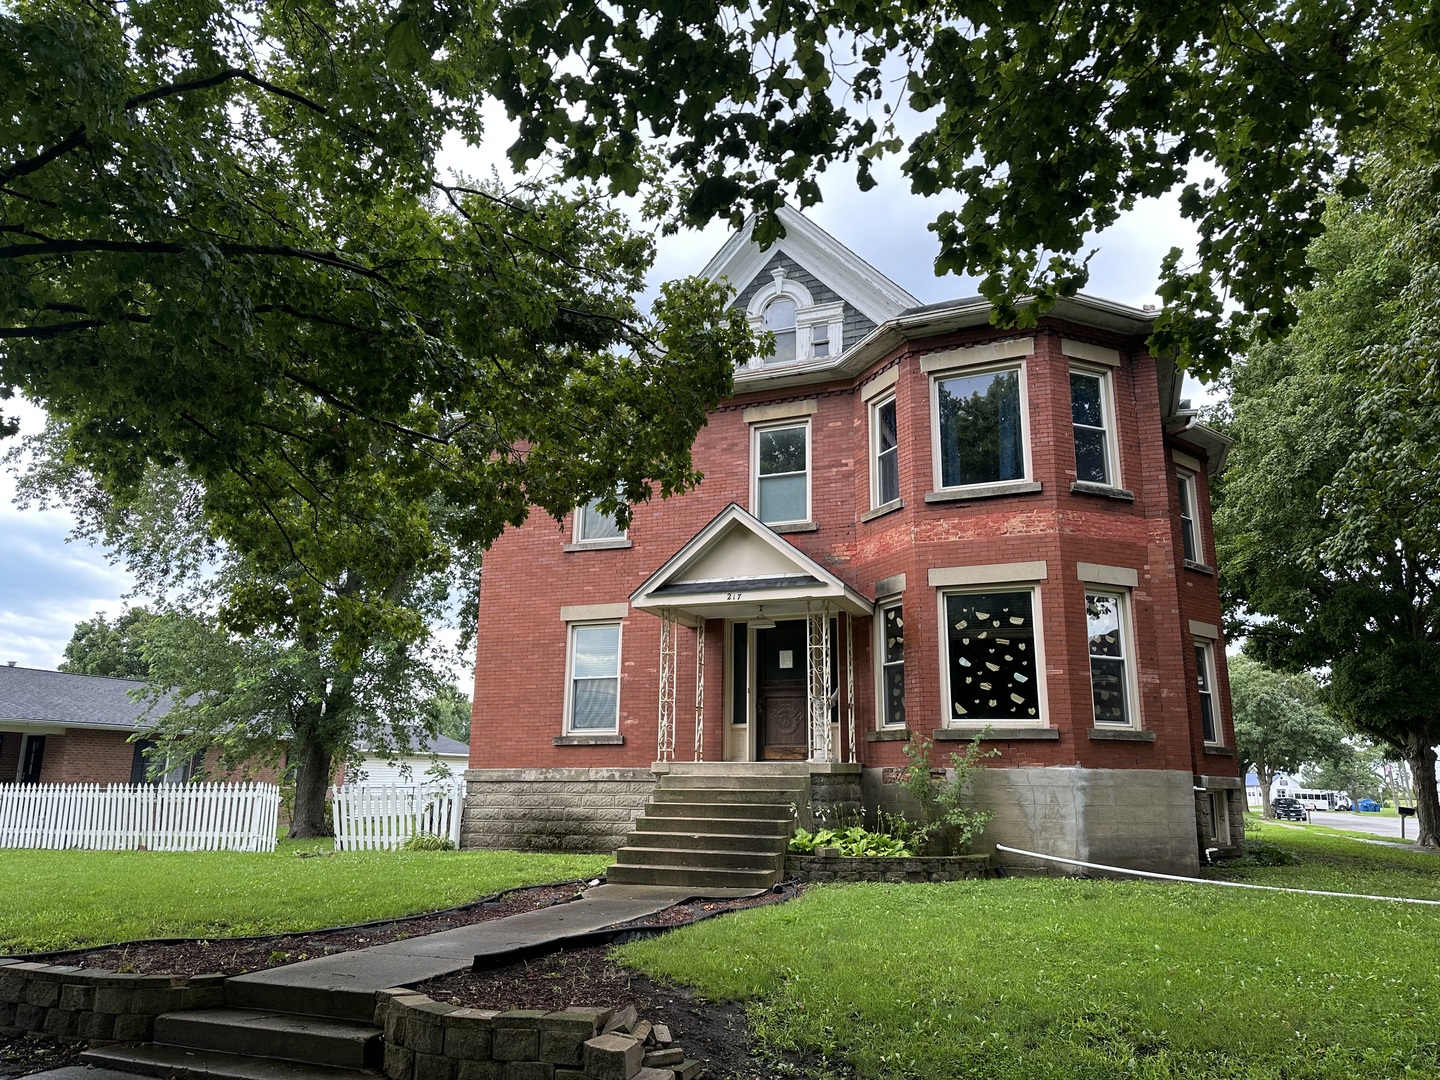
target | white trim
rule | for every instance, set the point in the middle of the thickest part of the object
(936, 465)
(1207, 649)
(872, 420)
(780, 285)
(1095, 354)
(780, 410)
(970, 355)
(756, 430)
(947, 708)
(1127, 657)
(1095, 574)
(1192, 491)
(570, 629)
(880, 383)
(578, 516)
(879, 665)
(1208, 631)
(1185, 461)
(1109, 424)
(992, 574)
(594, 612)
(890, 586)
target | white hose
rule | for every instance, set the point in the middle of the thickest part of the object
(1207, 881)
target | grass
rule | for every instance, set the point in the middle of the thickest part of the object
(66, 899)
(1024, 978)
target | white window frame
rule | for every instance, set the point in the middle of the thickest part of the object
(1127, 658)
(570, 629)
(875, 406)
(963, 370)
(780, 425)
(1186, 482)
(1108, 422)
(578, 533)
(881, 721)
(948, 719)
(1205, 662)
(813, 322)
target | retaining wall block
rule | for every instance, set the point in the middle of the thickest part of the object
(113, 999)
(532, 1070)
(77, 997)
(94, 1025)
(399, 1062)
(515, 1044)
(7, 1014)
(156, 1001)
(60, 1022)
(12, 988)
(482, 1070)
(434, 1067)
(29, 1017)
(423, 1036)
(647, 1073)
(571, 1074)
(613, 1057)
(468, 1038)
(43, 993)
(134, 1027)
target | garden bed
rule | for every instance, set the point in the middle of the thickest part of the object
(911, 868)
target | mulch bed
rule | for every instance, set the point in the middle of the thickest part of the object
(713, 1032)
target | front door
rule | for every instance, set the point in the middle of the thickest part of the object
(780, 707)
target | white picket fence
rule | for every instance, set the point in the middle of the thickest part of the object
(156, 817)
(369, 816)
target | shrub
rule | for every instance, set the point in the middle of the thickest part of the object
(853, 842)
(424, 841)
(942, 798)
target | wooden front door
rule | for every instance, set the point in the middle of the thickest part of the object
(780, 706)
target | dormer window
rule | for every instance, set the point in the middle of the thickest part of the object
(780, 321)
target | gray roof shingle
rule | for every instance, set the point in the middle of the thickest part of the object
(57, 697)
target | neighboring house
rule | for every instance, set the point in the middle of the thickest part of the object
(59, 728)
(912, 523)
(414, 765)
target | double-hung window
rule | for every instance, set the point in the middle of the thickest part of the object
(594, 693)
(885, 454)
(593, 526)
(990, 656)
(980, 420)
(1189, 528)
(892, 665)
(782, 474)
(1110, 658)
(1091, 422)
(1205, 680)
(780, 321)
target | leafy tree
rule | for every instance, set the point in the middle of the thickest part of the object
(1358, 772)
(101, 647)
(448, 713)
(1047, 119)
(1280, 723)
(1326, 529)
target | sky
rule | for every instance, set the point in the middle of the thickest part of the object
(48, 584)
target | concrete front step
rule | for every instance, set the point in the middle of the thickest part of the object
(168, 1061)
(690, 877)
(773, 861)
(260, 991)
(731, 826)
(777, 796)
(703, 841)
(344, 1044)
(747, 811)
(674, 781)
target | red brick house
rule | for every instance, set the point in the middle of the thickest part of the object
(911, 522)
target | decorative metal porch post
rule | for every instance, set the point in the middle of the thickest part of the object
(821, 742)
(700, 689)
(665, 751)
(850, 683)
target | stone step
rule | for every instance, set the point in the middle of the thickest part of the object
(344, 1044)
(674, 781)
(732, 826)
(744, 810)
(778, 796)
(691, 877)
(170, 1061)
(719, 860)
(257, 991)
(704, 841)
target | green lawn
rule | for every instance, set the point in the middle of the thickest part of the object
(1030, 978)
(64, 899)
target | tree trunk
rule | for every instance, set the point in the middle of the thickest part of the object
(312, 778)
(1266, 778)
(1421, 759)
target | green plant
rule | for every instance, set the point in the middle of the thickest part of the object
(856, 841)
(942, 797)
(424, 841)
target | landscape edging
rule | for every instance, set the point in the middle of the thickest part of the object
(95, 1004)
(911, 868)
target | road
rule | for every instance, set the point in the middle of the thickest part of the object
(1371, 823)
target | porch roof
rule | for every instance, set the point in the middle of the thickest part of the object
(735, 566)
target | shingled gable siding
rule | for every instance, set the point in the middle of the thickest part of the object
(856, 324)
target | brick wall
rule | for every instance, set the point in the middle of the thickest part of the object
(87, 757)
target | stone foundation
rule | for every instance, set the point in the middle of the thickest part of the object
(429, 1040)
(578, 810)
(1227, 837)
(94, 1004)
(835, 798)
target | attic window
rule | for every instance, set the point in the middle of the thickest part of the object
(780, 321)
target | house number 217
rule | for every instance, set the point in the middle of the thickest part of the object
(732, 596)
